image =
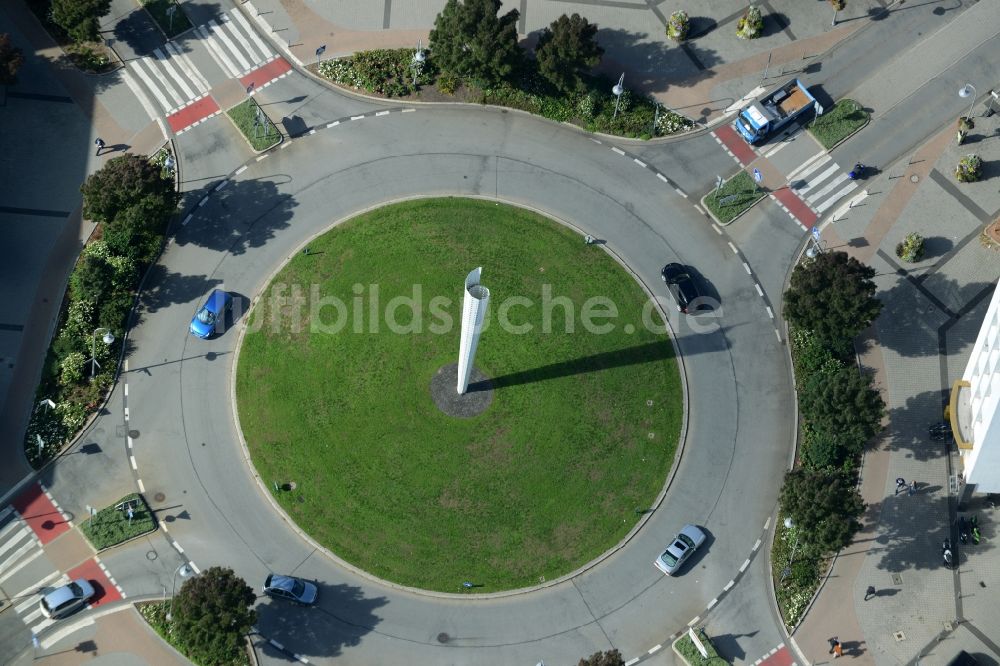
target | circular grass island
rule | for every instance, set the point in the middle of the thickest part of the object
(334, 391)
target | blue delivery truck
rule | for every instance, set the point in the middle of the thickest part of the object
(774, 111)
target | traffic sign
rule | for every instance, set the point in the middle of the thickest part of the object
(815, 232)
(321, 50)
(757, 176)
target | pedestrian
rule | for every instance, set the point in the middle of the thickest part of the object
(870, 592)
(838, 650)
(913, 488)
(900, 484)
(833, 644)
(99, 142)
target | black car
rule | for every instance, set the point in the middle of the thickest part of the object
(681, 286)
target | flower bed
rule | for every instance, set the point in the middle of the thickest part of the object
(79, 366)
(688, 651)
(388, 73)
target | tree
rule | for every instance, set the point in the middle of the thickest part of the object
(135, 232)
(834, 297)
(122, 182)
(609, 658)
(470, 39)
(824, 507)
(566, 50)
(11, 60)
(843, 405)
(211, 614)
(79, 17)
(92, 279)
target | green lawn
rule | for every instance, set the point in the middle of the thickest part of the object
(243, 115)
(158, 10)
(111, 526)
(744, 194)
(579, 437)
(845, 118)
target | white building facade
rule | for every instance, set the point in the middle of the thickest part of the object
(974, 403)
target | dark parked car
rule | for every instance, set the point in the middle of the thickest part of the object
(67, 599)
(681, 286)
(290, 589)
(211, 317)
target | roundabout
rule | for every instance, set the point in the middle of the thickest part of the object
(347, 343)
(732, 368)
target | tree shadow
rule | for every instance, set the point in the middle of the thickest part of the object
(937, 246)
(907, 430)
(918, 311)
(136, 35)
(165, 288)
(341, 617)
(908, 538)
(242, 215)
(654, 66)
(774, 23)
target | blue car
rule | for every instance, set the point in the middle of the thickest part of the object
(211, 317)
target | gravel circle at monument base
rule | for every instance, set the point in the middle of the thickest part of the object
(466, 405)
(334, 393)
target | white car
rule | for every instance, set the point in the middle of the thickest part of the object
(67, 599)
(685, 543)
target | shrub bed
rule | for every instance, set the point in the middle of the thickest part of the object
(158, 9)
(845, 118)
(688, 651)
(132, 198)
(111, 525)
(735, 196)
(260, 137)
(387, 73)
(155, 615)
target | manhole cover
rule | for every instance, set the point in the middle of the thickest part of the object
(134, 434)
(897, 579)
(899, 636)
(914, 178)
(443, 638)
(151, 555)
(159, 497)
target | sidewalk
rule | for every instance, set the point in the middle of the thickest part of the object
(119, 636)
(699, 78)
(920, 343)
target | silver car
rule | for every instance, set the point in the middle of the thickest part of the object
(685, 543)
(67, 599)
(290, 589)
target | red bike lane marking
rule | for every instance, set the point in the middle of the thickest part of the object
(263, 75)
(41, 513)
(105, 589)
(735, 144)
(783, 657)
(195, 112)
(796, 207)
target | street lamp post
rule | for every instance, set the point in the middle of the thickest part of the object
(417, 64)
(617, 90)
(184, 571)
(968, 90)
(107, 339)
(787, 571)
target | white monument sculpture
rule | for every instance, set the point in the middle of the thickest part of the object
(473, 312)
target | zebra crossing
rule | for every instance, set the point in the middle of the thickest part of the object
(27, 600)
(19, 548)
(820, 182)
(167, 80)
